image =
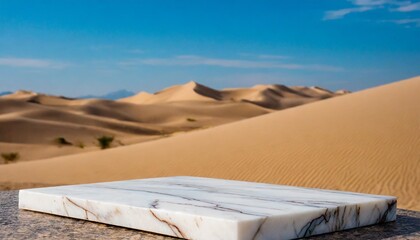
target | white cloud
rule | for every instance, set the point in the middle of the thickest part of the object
(408, 22)
(369, 5)
(337, 14)
(263, 56)
(192, 60)
(380, 2)
(371, 2)
(268, 56)
(409, 8)
(405, 21)
(31, 63)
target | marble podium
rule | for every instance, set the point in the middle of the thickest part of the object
(207, 209)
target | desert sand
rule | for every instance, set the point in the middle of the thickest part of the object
(368, 141)
(31, 123)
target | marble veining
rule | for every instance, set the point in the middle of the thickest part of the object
(207, 209)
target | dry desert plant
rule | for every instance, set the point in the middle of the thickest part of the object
(61, 141)
(104, 142)
(10, 157)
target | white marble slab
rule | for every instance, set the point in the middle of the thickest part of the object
(209, 209)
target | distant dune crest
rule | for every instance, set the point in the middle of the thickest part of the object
(268, 96)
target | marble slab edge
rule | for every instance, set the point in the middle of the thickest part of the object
(192, 226)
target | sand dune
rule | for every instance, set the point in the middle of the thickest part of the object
(39, 122)
(277, 96)
(366, 141)
(190, 91)
(31, 122)
(267, 96)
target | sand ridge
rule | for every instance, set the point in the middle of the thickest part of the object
(268, 96)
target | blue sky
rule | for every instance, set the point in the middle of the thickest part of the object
(92, 47)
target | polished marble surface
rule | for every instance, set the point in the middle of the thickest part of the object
(203, 208)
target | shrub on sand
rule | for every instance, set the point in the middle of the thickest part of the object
(61, 141)
(10, 157)
(105, 142)
(80, 145)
